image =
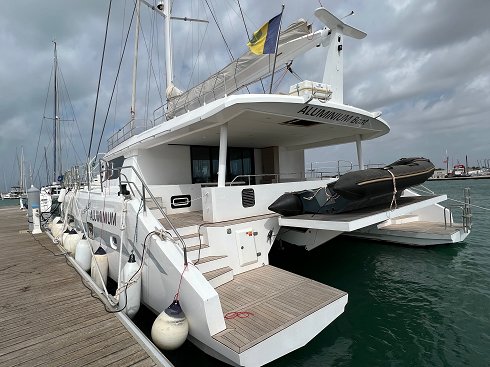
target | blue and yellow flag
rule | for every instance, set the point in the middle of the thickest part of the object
(265, 39)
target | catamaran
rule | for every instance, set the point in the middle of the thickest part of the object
(188, 199)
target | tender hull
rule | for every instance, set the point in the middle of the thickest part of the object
(357, 190)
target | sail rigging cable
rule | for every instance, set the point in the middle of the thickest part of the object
(44, 116)
(117, 77)
(72, 110)
(149, 50)
(196, 62)
(100, 78)
(219, 28)
(243, 19)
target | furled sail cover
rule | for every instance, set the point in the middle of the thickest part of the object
(248, 68)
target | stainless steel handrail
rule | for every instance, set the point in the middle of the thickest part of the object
(145, 188)
(326, 169)
(275, 175)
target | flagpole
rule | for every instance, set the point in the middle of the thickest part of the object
(275, 52)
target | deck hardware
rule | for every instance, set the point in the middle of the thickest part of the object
(113, 242)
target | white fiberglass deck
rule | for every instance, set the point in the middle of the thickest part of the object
(275, 299)
(424, 227)
(351, 221)
(416, 233)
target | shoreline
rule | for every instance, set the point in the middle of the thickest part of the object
(459, 178)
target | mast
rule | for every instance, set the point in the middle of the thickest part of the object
(135, 63)
(47, 171)
(55, 121)
(168, 44)
(22, 178)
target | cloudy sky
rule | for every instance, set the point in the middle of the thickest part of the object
(425, 64)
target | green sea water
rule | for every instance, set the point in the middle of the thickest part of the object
(9, 202)
(407, 306)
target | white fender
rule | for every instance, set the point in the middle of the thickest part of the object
(170, 329)
(130, 297)
(61, 197)
(57, 228)
(70, 241)
(83, 254)
(99, 258)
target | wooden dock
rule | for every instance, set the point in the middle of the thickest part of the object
(47, 316)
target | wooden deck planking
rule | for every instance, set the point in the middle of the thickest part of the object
(181, 220)
(275, 300)
(216, 273)
(195, 218)
(423, 227)
(48, 318)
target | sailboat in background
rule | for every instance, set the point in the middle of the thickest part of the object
(50, 192)
(17, 192)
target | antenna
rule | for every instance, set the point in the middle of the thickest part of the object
(333, 73)
(348, 15)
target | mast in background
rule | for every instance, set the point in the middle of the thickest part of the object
(55, 118)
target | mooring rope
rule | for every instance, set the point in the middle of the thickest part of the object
(393, 200)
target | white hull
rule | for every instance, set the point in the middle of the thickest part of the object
(200, 297)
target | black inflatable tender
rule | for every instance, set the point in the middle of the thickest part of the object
(356, 190)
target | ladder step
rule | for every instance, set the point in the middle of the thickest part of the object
(209, 258)
(196, 247)
(150, 204)
(216, 273)
(184, 237)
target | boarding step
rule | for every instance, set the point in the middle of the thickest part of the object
(150, 204)
(193, 251)
(209, 263)
(183, 231)
(190, 239)
(196, 247)
(219, 276)
(184, 220)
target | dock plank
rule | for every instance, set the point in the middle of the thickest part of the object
(47, 316)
